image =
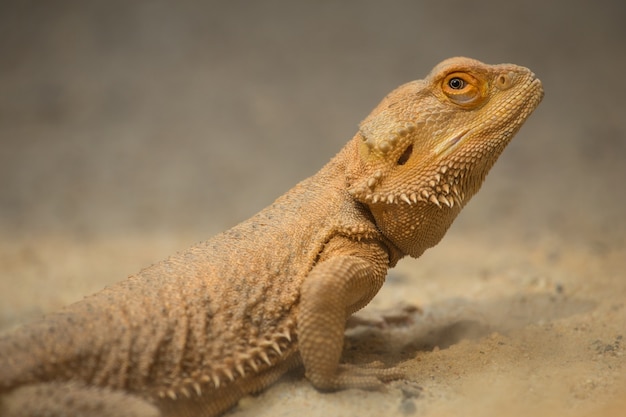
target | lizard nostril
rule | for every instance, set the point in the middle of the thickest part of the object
(405, 155)
(505, 81)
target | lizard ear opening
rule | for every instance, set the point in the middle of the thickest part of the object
(405, 155)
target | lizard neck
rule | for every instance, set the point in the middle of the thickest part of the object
(408, 229)
(413, 229)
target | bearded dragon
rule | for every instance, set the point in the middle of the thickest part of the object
(194, 333)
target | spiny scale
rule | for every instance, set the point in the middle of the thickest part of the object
(191, 385)
(391, 142)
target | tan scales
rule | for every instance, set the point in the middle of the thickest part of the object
(193, 334)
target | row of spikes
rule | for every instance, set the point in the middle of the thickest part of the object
(262, 356)
(445, 192)
(446, 198)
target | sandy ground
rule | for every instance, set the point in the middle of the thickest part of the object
(130, 130)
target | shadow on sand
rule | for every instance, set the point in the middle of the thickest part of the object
(402, 331)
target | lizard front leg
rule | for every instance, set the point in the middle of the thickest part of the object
(335, 288)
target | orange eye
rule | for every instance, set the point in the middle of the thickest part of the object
(462, 89)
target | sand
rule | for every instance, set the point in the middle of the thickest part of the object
(132, 130)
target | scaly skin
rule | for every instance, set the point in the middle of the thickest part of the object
(196, 332)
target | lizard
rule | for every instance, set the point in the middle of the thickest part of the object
(193, 334)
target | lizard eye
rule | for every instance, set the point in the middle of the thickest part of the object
(456, 83)
(463, 89)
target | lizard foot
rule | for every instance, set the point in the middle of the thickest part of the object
(371, 377)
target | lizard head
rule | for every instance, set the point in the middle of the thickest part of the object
(425, 150)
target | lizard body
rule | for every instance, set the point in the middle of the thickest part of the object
(194, 333)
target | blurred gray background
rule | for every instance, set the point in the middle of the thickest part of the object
(131, 117)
